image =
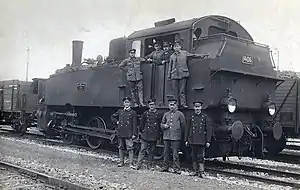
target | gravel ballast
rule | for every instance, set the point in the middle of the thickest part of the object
(99, 170)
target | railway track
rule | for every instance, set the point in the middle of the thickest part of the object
(293, 147)
(31, 179)
(262, 174)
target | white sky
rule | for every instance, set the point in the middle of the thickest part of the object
(49, 26)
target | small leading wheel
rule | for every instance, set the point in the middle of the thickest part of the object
(92, 141)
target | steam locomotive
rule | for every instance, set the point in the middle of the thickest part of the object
(237, 84)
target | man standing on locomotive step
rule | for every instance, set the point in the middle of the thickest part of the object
(198, 135)
(173, 122)
(150, 132)
(178, 72)
(126, 119)
(132, 66)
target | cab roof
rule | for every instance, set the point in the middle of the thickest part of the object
(177, 26)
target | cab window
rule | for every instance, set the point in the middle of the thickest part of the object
(216, 30)
(137, 45)
(149, 42)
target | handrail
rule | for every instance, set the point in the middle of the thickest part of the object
(285, 98)
(236, 38)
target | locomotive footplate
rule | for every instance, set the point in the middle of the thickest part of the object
(91, 131)
(107, 134)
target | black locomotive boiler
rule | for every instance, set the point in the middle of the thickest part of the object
(237, 84)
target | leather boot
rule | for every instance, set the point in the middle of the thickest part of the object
(130, 152)
(195, 168)
(141, 98)
(121, 155)
(133, 97)
(201, 170)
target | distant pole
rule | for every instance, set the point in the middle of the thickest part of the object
(277, 58)
(27, 64)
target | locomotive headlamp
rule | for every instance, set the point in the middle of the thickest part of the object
(271, 108)
(231, 106)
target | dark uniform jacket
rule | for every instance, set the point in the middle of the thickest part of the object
(166, 55)
(150, 125)
(133, 68)
(198, 130)
(155, 56)
(176, 123)
(127, 122)
(178, 68)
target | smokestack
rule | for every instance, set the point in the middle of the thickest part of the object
(77, 46)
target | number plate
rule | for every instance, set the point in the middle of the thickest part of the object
(81, 86)
(247, 59)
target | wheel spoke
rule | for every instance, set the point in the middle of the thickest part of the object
(95, 142)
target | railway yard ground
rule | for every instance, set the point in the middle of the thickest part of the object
(98, 170)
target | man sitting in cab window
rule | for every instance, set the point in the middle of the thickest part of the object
(155, 56)
(178, 72)
(198, 135)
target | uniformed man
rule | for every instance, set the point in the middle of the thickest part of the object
(178, 72)
(167, 53)
(198, 135)
(155, 56)
(150, 131)
(173, 123)
(132, 65)
(126, 119)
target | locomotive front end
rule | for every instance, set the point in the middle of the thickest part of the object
(240, 97)
(237, 84)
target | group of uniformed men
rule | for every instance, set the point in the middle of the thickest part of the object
(177, 70)
(172, 124)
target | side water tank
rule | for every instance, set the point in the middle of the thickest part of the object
(117, 49)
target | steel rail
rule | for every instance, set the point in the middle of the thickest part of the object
(55, 182)
(254, 177)
(249, 168)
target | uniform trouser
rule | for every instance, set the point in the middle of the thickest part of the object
(148, 146)
(198, 153)
(136, 87)
(175, 145)
(126, 143)
(179, 86)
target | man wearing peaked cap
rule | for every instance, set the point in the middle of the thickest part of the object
(126, 98)
(132, 67)
(151, 101)
(172, 100)
(198, 134)
(150, 132)
(155, 56)
(132, 51)
(126, 120)
(172, 124)
(178, 72)
(198, 102)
